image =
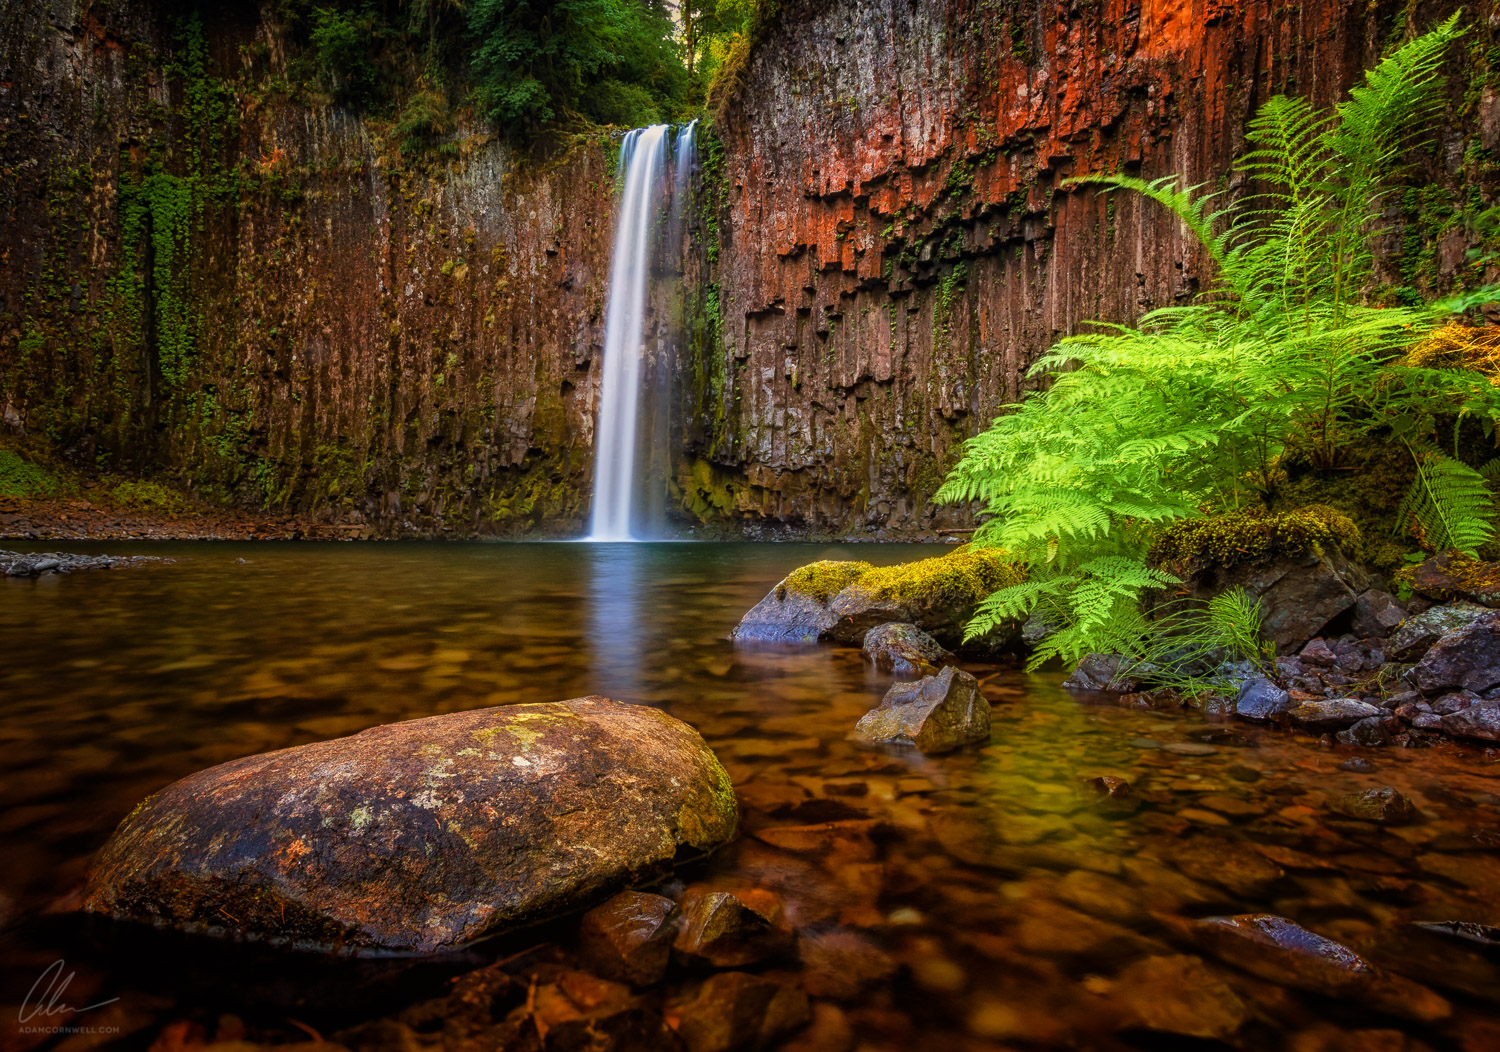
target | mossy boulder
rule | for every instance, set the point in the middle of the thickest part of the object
(1453, 576)
(841, 601)
(421, 836)
(1302, 565)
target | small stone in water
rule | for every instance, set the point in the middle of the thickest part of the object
(1188, 749)
(736, 1010)
(724, 930)
(1358, 763)
(629, 938)
(1378, 804)
(936, 714)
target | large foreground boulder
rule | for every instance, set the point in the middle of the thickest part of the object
(841, 601)
(424, 835)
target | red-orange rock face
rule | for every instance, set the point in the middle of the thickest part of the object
(896, 247)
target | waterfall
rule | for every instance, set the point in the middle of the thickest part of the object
(617, 514)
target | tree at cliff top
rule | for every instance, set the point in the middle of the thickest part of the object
(610, 61)
(1202, 407)
(525, 64)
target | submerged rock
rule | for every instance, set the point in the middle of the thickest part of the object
(423, 835)
(1379, 803)
(903, 649)
(724, 929)
(737, 1010)
(629, 938)
(936, 714)
(1279, 951)
(841, 601)
(1465, 658)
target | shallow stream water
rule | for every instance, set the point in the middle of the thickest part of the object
(983, 899)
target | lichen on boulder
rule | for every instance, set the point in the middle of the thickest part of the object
(841, 601)
(421, 836)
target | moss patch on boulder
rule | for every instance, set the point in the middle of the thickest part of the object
(964, 576)
(1254, 536)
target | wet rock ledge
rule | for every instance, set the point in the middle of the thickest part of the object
(37, 564)
(421, 836)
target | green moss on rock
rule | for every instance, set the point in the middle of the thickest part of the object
(963, 577)
(826, 578)
(1247, 536)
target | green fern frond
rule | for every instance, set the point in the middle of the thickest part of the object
(1449, 505)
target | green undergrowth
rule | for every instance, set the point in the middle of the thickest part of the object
(1250, 536)
(20, 477)
(145, 496)
(963, 576)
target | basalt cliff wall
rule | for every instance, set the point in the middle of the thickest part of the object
(896, 247)
(212, 275)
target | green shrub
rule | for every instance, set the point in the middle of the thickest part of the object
(20, 477)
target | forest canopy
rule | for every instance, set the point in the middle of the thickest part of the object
(523, 65)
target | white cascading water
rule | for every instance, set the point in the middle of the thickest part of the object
(641, 157)
(642, 164)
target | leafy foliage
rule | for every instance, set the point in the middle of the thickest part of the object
(1449, 505)
(1201, 405)
(608, 60)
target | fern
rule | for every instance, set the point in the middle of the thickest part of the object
(1449, 504)
(1194, 407)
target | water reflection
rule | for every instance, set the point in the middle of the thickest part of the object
(983, 899)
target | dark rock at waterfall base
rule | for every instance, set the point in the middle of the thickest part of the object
(424, 835)
(936, 714)
(37, 564)
(903, 649)
(1466, 658)
(629, 938)
(1101, 672)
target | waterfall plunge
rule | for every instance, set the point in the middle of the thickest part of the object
(617, 515)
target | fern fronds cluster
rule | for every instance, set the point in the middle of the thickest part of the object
(1199, 404)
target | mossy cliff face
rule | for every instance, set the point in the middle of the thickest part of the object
(213, 275)
(894, 247)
